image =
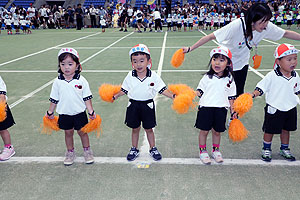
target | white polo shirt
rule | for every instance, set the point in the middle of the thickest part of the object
(216, 91)
(2, 87)
(232, 37)
(145, 89)
(281, 92)
(70, 96)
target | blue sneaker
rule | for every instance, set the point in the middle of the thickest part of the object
(154, 153)
(133, 154)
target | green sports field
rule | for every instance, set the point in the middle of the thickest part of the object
(28, 65)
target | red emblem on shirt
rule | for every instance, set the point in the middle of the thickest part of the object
(78, 86)
(295, 85)
(152, 84)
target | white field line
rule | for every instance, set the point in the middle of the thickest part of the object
(50, 82)
(50, 48)
(144, 155)
(140, 161)
(173, 47)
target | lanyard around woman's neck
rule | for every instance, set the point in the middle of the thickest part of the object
(245, 36)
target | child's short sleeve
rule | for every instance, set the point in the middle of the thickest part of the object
(125, 85)
(54, 95)
(2, 87)
(202, 85)
(232, 91)
(264, 85)
(160, 86)
(86, 93)
(297, 85)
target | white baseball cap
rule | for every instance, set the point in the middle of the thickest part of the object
(221, 50)
(68, 50)
(139, 48)
(285, 50)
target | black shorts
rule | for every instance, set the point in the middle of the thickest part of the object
(140, 111)
(9, 120)
(208, 23)
(289, 22)
(276, 120)
(211, 117)
(190, 25)
(67, 122)
(278, 23)
(8, 27)
(139, 21)
(216, 24)
(169, 24)
(179, 25)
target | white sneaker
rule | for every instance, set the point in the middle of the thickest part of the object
(88, 156)
(217, 156)
(70, 157)
(204, 157)
(7, 153)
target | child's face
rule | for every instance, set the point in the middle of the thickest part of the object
(287, 63)
(140, 63)
(68, 66)
(219, 64)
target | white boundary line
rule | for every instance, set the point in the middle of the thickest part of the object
(50, 48)
(144, 162)
(50, 82)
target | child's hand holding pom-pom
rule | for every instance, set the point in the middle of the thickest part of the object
(178, 58)
(93, 125)
(50, 124)
(107, 92)
(243, 104)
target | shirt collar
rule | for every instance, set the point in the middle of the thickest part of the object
(278, 72)
(148, 73)
(76, 76)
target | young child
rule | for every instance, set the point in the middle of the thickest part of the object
(71, 96)
(103, 23)
(8, 22)
(8, 150)
(217, 91)
(281, 87)
(141, 85)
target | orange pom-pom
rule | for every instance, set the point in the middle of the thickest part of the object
(2, 111)
(182, 103)
(50, 125)
(243, 104)
(181, 89)
(256, 61)
(107, 91)
(93, 125)
(178, 58)
(237, 132)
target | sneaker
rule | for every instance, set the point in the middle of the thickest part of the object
(286, 153)
(217, 156)
(88, 156)
(125, 30)
(204, 157)
(121, 29)
(70, 157)
(154, 153)
(133, 154)
(7, 153)
(266, 155)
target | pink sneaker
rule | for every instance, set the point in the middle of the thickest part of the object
(7, 153)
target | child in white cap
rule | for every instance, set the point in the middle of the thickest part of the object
(141, 86)
(217, 91)
(281, 86)
(71, 96)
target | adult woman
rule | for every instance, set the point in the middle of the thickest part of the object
(242, 34)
